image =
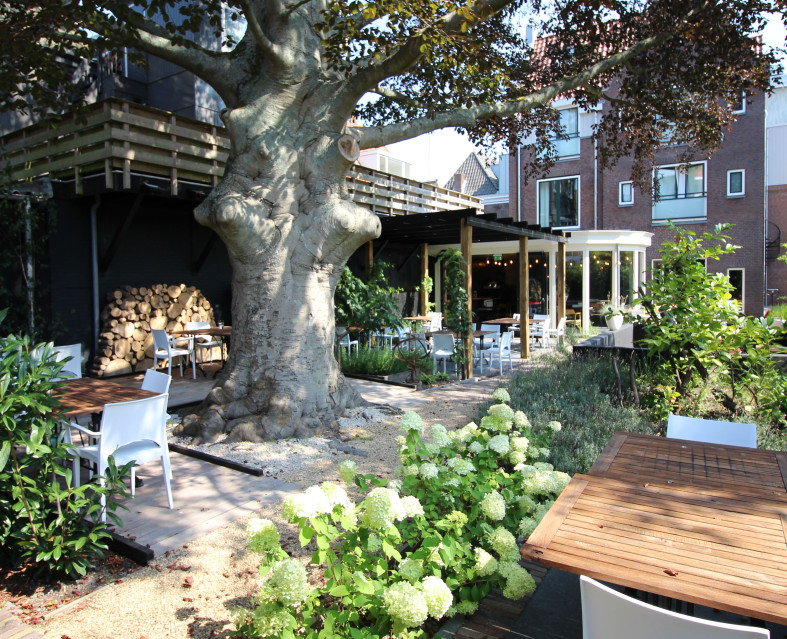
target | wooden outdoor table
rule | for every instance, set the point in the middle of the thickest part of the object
(504, 321)
(699, 522)
(88, 395)
(418, 318)
(222, 332)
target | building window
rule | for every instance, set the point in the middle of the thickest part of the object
(625, 193)
(740, 106)
(736, 183)
(558, 202)
(738, 282)
(682, 192)
(569, 124)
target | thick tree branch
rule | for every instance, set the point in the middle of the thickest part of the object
(369, 137)
(276, 53)
(401, 98)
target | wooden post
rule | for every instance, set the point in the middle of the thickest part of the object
(424, 273)
(466, 234)
(369, 259)
(524, 298)
(560, 272)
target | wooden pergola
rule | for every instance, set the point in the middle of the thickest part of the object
(463, 227)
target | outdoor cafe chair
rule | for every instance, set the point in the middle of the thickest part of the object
(540, 329)
(559, 331)
(710, 431)
(609, 614)
(443, 348)
(133, 431)
(435, 321)
(155, 382)
(72, 355)
(503, 349)
(164, 348)
(343, 340)
(203, 342)
(516, 328)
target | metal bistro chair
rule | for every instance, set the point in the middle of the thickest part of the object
(608, 614)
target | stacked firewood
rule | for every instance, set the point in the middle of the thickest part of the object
(125, 343)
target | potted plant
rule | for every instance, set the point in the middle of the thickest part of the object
(613, 314)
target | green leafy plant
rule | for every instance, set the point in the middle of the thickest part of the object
(610, 309)
(373, 306)
(42, 516)
(427, 285)
(371, 361)
(457, 311)
(395, 560)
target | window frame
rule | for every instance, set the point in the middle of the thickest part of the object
(743, 284)
(579, 200)
(571, 135)
(621, 201)
(742, 110)
(742, 192)
(681, 192)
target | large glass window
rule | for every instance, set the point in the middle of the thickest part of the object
(738, 282)
(558, 202)
(682, 192)
(569, 124)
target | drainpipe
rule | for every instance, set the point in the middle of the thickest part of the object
(519, 183)
(595, 175)
(94, 268)
(765, 217)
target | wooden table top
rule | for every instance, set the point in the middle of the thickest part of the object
(698, 522)
(215, 331)
(88, 395)
(503, 321)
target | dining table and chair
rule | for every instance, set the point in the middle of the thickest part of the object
(698, 521)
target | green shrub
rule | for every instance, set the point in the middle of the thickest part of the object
(393, 561)
(371, 361)
(778, 311)
(575, 392)
(42, 516)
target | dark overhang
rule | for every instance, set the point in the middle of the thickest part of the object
(444, 227)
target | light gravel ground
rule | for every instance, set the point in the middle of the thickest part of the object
(192, 592)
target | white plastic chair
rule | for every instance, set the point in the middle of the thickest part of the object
(490, 343)
(72, 353)
(504, 350)
(608, 614)
(343, 341)
(516, 328)
(443, 348)
(540, 330)
(165, 349)
(559, 331)
(132, 431)
(710, 431)
(203, 342)
(435, 321)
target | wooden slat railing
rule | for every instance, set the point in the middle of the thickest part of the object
(120, 137)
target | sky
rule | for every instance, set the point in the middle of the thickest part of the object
(436, 156)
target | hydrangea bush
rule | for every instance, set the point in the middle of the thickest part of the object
(429, 545)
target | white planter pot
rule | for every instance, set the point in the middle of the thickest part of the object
(615, 322)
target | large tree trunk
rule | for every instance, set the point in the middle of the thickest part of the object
(289, 226)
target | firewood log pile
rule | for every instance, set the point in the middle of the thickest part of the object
(125, 344)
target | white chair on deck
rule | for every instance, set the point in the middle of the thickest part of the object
(443, 348)
(164, 348)
(710, 431)
(72, 354)
(559, 331)
(516, 328)
(435, 322)
(203, 342)
(540, 329)
(132, 431)
(504, 350)
(343, 341)
(609, 614)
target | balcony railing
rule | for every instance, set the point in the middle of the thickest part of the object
(567, 148)
(681, 207)
(118, 139)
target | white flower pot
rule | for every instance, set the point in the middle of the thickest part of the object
(614, 322)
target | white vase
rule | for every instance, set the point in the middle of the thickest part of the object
(614, 322)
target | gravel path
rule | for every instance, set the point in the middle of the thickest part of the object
(193, 591)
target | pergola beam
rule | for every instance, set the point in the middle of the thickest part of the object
(511, 229)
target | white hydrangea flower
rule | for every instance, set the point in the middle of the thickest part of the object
(521, 421)
(543, 452)
(520, 444)
(434, 556)
(336, 495)
(466, 607)
(493, 505)
(428, 470)
(485, 564)
(528, 470)
(475, 447)
(463, 466)
(395, 484)
(555, 426)
(411, 569)
(526, 503)
(374, 543)
(412, 506)
(500, 444)
(467, 432)
(539, 482)
(401, 440)
(269, 619)
(348, 469)
(517, 457)
(320, 504)
(440, 435)
(297, 506)
(412, 421)
(381, 508)
(504, 412)
(501, 395)
(543, 466)
(504, 544)
(410, 470)
(526, 526)
(431, 449)
(494, 423)
(262, 535)
(561, 480)
(451, 482)
(518, 580)
(405, 604)
(438, 596)
(288, 582)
